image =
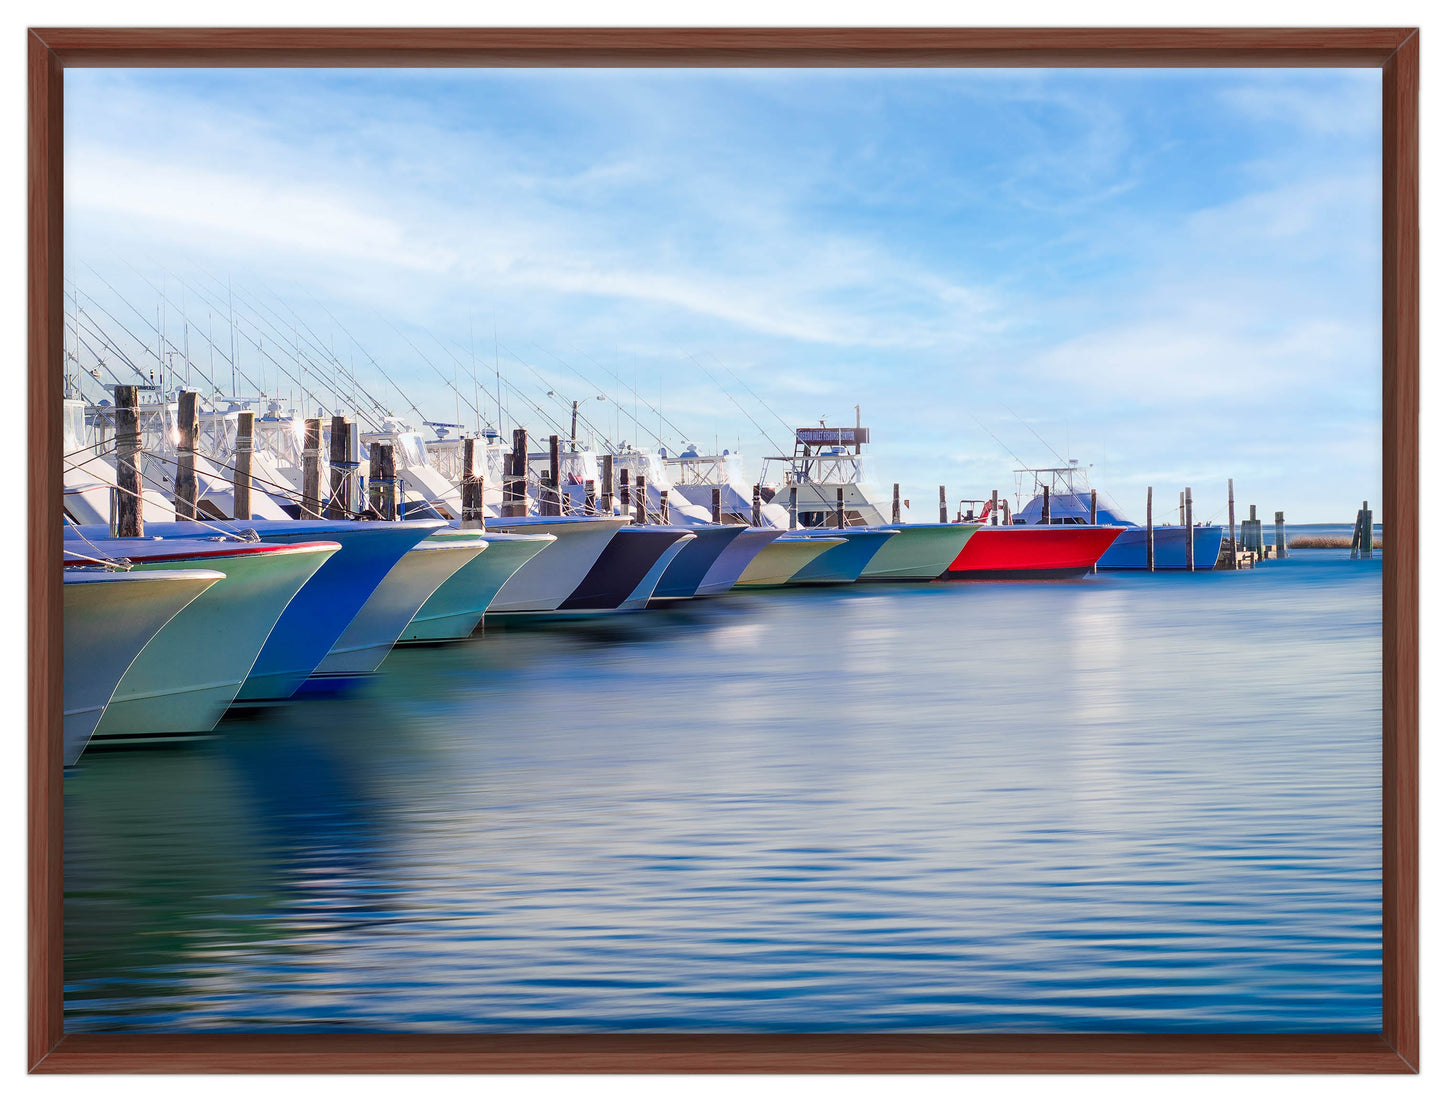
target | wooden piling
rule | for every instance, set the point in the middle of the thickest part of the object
(641, 502)
(471, 487)
(1367, 532)
(792, 507)
(897, 506)
(311, 469)
(128, 520)
(662, 513)
(339, 507)
(1047, 516)
(717, 504)
(842, 519)
(382, 481)
(993, 509)
(188, 431)
(1149, 530)
(605, 504)
(1280, 550)
(514, 484)
(757, 506)
(554, 454)
(1355, 537)
(624, 492)
(1233, 546)
(1093, 507)
(942, 505)
(589, 497)
(241, 476)
(1188, 528)
(1181, 508)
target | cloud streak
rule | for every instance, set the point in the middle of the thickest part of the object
(1124, 256)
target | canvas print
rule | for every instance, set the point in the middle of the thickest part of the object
(743, 550)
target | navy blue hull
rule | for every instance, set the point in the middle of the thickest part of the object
(619, 569)
(682, 578)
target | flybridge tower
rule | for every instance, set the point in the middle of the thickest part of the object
(827, 460)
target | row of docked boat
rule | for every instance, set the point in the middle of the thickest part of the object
(180, 605)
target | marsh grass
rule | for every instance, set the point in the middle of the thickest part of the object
(1326, 542)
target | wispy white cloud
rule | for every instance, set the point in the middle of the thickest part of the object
(1136, 262)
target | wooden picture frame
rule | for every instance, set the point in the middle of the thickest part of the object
(1394, 1049)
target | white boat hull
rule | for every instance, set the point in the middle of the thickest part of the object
(542, 584)
(455, 609)
(190, 673)
(109, 619)
(369, 637)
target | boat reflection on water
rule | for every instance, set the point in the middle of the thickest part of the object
(867, 807)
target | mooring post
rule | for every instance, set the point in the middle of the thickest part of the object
(1093, 507)
(641, 502)
(841, 519)
(897, 506)
(339, 507)
(128, 520)
(662, 513)
(514, 482)
(1188, 528)
(942, 505)
(589, 497)
(1254, 541)
(1046, 516)
(241, 476)
(624, 492)
(605, 506)
(1181, 508)
(717, 504)
(382, 481)
(311, 469)
(757, 506)
(993, 509)
(1149, 529)
(1280, 550)
(188, 428)
(792, 507)
(1355, 534)
(1367, 532)
(1233, 546)
(471, 487)
(554, 454)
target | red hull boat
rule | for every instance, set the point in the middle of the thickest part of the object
(1017, 552)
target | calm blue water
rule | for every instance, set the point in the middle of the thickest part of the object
(1127, 803)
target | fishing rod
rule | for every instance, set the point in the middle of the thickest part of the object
(713, 379)
(261, 325)
(755, 396)
(682, 436)
(329, 360)
(216, 391)
(551, 392)
(481, 418)
(1035, 434)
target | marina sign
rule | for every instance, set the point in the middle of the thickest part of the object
(847, 437)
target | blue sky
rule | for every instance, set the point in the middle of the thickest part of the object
(1173, 276)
